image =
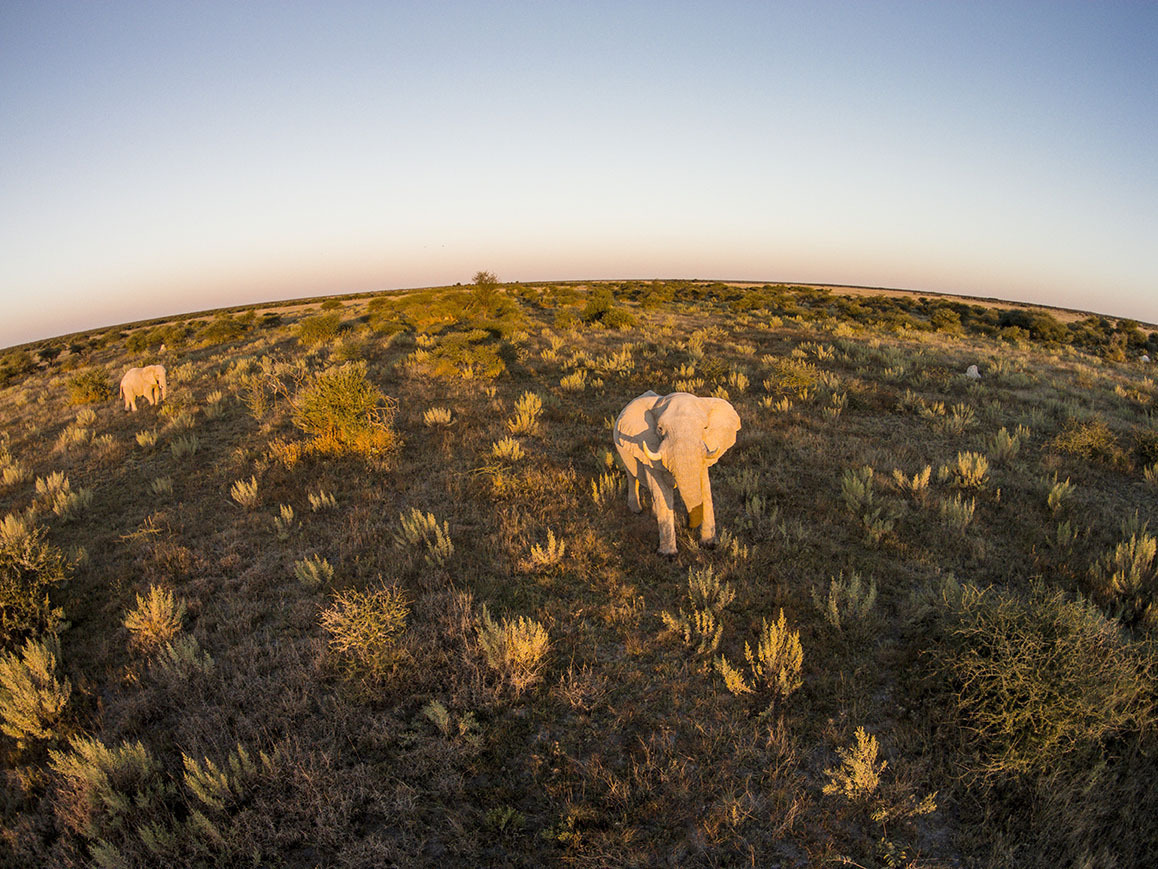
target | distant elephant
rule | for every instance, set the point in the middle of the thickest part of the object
(148, 382)
(670, 442)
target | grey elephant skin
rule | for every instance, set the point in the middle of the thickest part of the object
(667, 443)
(149, 382)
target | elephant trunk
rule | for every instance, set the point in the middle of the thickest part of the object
(689, 477)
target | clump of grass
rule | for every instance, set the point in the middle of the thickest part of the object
(343, 412)
(72, 436)
(15, 528)
(701, 627)
(421, 530)
(968, 471)
(507, 449)
(12, 470)
(313, 571)
(1004, 446)
(916, 486)
(607, 488)
(733, 678)
(245, 492)
(156, 620)
(957, 513)
(516, 648)
(848, 603)
(55, 494)
(1126, 577)
(108, 794)
(836, 406)
(960, 418)
(856, 485)
(859, 772)
(1150, 474)
(466, 728)
(576, 381)
(436, 417)
(1057, 493)
(548, 554)
(147, 439)
(184, 446)
(182, 658)
(366, 629)
(220, 787)
(321, 500)
(856, 488)
(778, 658)
(162, 486)
(32, 699)
(527, 411)
(283, 523)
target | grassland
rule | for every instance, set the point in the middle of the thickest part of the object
(349, 597)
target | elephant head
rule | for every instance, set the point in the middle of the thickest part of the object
(159, 380)
(670, 442)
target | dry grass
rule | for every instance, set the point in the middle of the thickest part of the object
(411, 651)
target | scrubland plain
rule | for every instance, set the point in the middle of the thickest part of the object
(364, 589)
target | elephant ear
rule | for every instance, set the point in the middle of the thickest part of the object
(635, 419)
(635, 426)
(723, 423)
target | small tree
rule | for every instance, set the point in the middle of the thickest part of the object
(485, 292)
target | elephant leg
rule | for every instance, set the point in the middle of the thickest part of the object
(663, 502)
(708, 526)
(633, 494)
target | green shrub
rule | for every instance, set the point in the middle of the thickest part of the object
(365, 631)
(15, 364)
(29, 568)
(1033, 682)
(1091, 440)
(344, 412)
(32, 699)
(318, 329)
(90, 387)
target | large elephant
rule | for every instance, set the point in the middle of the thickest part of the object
(670, 442)
(148, 382)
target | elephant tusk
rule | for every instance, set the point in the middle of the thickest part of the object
(655, 457)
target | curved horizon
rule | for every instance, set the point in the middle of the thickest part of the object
(311, 298)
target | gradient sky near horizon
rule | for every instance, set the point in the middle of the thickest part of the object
(164, 157)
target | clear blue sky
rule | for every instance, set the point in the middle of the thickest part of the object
(157, 157)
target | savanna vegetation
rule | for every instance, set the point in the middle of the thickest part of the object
(364, 590)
